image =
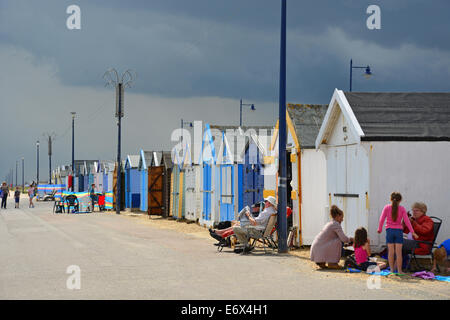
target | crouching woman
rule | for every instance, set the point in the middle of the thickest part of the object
(327, 245)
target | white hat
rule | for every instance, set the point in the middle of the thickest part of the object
(272, 200)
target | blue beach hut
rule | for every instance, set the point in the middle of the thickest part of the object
(145, 160)
(132, 183)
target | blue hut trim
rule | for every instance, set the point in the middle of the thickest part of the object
(207, 137)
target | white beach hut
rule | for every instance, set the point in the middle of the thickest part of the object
(376, 143)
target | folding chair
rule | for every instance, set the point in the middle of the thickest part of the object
(266, 234)
(436, 226)
(72, 202)
(58, 206)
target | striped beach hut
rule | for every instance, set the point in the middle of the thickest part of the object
(212, 138)
(132, 183)
(145, 160)
(251, 169)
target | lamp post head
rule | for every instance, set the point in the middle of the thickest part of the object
(252, 107)
(73, 114)
(368, 73)
(37, 143)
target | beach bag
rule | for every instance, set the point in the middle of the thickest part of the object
(223, 225)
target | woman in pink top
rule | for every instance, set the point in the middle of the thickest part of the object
(394, 214)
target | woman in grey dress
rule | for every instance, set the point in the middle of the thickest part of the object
(327, 245)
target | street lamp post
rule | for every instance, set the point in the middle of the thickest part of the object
(37, 162)
(73, 150)
(282, 170)
(49, 137)
(367, 72)
(112, 78)
(17, 164)
(252, 107)
(23, 175)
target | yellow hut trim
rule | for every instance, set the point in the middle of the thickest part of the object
(291, 130)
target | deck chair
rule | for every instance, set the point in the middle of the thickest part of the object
(436, 226)
(71, 201)
(266, 234)
(49, 197)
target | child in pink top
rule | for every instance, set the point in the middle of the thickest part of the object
(394, 214)
(391, 224)
(362, 251)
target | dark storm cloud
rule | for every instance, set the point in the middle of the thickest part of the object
(210, 51)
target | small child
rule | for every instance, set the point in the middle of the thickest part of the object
(17, 197)
(362, 251)
(440, 256)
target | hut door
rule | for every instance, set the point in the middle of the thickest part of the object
(207, 191)
(155, 190)
(347, 183)
(253, 178)
(175, 191)
(190, 193)
(226, 193)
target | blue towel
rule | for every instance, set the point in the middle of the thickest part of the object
(442, 278)
(352, 270)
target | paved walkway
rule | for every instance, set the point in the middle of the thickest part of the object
(121, 258)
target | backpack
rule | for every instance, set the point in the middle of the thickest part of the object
(223, 225)
(350, 262)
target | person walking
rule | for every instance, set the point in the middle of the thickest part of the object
(5, 194)
(394, 213)
(17, 197)
(31, 195)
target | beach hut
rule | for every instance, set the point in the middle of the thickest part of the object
(108, 176)
(98, 176)
(159, 174)
(132, 182)
(178, 185)
(377, 143)
(212, 138)
(192, 187)
(228, 171)
(92, 169)
(145, 160)
(122, 185)
(306, 167)
(251, 168)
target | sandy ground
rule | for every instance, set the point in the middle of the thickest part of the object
(306, 265)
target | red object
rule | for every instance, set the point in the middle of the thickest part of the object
(424, 227)
(101, 200)
(70, 182)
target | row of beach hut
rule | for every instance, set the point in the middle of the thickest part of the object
(352, 152)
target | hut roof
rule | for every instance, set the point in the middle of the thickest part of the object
(402, 115)
(307, 119)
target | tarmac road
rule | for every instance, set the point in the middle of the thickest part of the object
(120, 258)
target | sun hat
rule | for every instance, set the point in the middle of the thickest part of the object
(271, 200)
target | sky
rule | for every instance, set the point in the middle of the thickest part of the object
(194, 60)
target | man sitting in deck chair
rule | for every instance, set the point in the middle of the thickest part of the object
(257, 225)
